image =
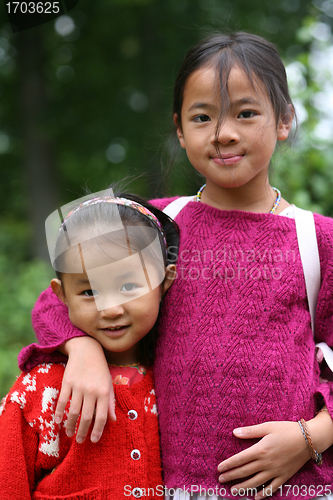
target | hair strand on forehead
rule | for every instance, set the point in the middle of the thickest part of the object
(258, 58)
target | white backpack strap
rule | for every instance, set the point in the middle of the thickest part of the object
(308, 248)
(173, 209)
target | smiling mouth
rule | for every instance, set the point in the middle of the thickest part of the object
(115, 328)
(227, 159)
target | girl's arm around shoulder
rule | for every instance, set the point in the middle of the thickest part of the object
(52, 328)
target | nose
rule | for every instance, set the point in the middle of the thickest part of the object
(226, 133)
(112, 311)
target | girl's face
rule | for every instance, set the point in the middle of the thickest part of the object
(240, 152)
(129, 309)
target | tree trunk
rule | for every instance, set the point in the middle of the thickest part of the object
(39, 160)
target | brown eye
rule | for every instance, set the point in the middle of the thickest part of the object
(201, 119)
(90, 293)
(247, 114)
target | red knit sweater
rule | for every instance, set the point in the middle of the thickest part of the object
(38, 460)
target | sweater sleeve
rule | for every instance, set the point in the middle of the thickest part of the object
(324, 312)
(52, 326)
(18, 451)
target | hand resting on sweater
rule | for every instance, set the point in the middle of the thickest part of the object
(87, 381)
(277, 456)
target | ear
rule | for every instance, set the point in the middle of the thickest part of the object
(285, 124)
(58, 289)
(177, 123)
(170, 275)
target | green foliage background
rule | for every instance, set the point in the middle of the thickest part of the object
(109, 82)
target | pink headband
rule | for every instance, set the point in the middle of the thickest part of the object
(121, 201)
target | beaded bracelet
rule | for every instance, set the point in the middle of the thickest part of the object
(316, 457)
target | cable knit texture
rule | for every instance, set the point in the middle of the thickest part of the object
(38, 460)
(236, 346)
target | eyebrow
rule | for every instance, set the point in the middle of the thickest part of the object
(85, 281)
(242, 101)
(201, 105)
(127, 275)
(246, 100)
(82, 281)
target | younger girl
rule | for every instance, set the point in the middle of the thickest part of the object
(113, 268)
(237, 381)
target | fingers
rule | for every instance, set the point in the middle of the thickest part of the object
(253, 431)
(73, 414)
(276, 457)
(238, 460)
(88, 413)
(111, 406)
(87, 382)
(93, 407)
(100, 418)
(260, 484)
(64, 396)
(89, 405)
(254, 484)
(248, 469)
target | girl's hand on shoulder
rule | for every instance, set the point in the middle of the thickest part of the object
(273, 460)
(87, 381)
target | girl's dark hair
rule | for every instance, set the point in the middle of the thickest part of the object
(257, 57)
(87, 217)
(170, 227)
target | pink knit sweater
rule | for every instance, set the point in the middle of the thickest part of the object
(236, 346)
